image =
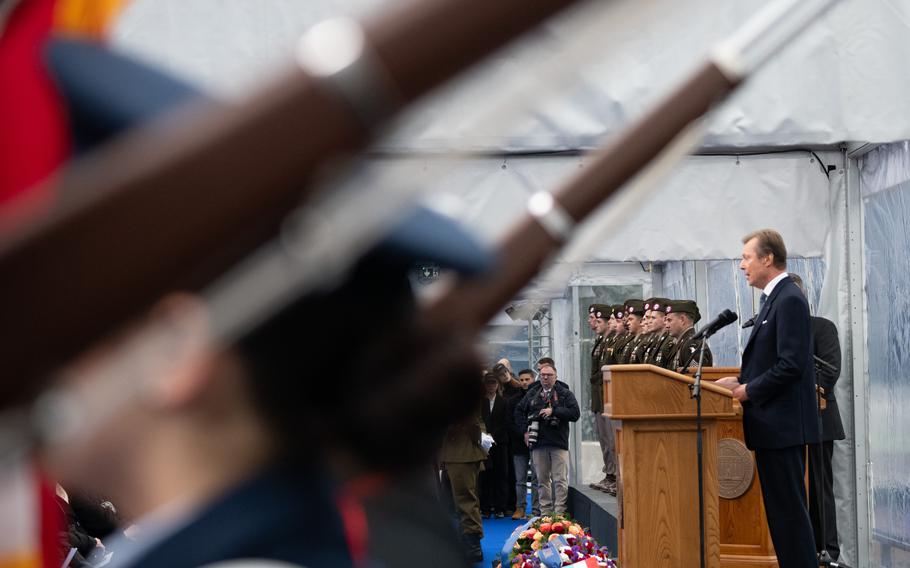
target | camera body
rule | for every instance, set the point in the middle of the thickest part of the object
(534, 424)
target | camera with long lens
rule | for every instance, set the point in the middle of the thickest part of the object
(533, 430)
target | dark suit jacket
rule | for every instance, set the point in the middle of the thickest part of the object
(779, 373)
(279, 515)
(497, 420)
(827, 348)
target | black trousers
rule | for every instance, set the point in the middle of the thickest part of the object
(494, 481)
(511, 499)
(821, 491)
(781, 472)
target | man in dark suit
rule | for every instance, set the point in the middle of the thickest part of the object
(826, 347)
(777, 390)
(494, 479)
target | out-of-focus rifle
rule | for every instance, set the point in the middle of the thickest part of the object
(552, 218)
(173, 205)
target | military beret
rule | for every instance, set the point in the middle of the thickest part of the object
(602, 311)
(592, 308)
(635, 307)
(619, 311)
(684, 307)
(656, 304)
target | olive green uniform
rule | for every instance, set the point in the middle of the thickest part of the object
(661, 350)
(639, 351)
(462, 458)
(686, 352)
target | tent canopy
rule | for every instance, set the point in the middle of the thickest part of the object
(610, 60)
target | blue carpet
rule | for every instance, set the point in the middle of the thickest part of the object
(495, 533)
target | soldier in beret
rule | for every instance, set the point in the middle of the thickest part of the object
(621, 335)
(650, 334)
(663, 343)
(606, 334)
(591, 317)
(635, 311)
(682, 315)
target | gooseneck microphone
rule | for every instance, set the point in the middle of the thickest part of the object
(724, 319)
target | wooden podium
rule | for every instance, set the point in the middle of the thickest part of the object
(654, 417)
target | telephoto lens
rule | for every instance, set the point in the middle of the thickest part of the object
(533, 429)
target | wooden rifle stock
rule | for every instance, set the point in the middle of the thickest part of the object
(173, 205)
(471, 303)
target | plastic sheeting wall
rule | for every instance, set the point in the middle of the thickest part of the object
(886, 206)
(722, 285)
(640, 48)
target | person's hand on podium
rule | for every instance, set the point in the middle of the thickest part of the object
(733, 384)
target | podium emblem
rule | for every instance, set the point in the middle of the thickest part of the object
(735, 468)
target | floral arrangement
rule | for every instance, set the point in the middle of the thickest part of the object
(557, 541)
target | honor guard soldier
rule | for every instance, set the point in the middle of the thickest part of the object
(649, 334)
(602, 333)
(612, 333)
(606, 334)
(620, 335)
(662, 343)
(462, 457)
(682, 315)
(635, 311)
(591, 316)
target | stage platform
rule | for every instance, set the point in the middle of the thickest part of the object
(597, 510)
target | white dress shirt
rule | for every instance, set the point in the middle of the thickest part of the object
(770, 286)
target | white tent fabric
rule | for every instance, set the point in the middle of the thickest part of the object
(816, 93)
(701, 212)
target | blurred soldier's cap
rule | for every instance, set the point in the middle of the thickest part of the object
(619, 311)
(106, 93)
(685, 307)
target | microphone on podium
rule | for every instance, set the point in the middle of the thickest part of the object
(724, 319)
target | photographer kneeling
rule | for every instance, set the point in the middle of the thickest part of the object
(544, 415)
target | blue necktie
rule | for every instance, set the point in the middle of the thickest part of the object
(761, 301)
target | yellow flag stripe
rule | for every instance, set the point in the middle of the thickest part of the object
(86, 18)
